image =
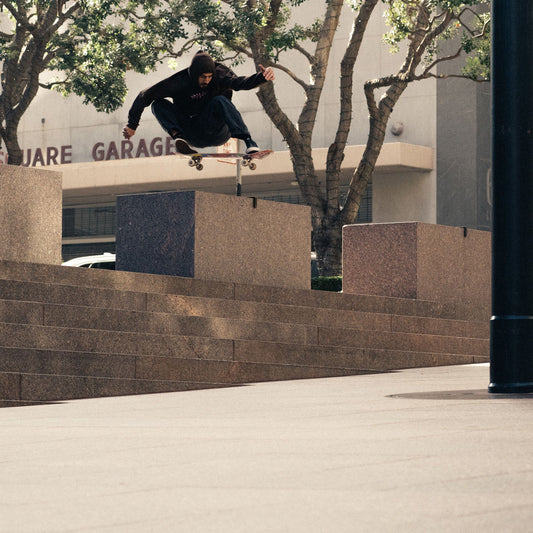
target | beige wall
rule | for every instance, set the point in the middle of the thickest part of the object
(404, 197)
(30, 215)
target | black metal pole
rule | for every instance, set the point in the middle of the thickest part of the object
(511, 336)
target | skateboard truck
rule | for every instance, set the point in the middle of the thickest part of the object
(247, 162)
(196, 161)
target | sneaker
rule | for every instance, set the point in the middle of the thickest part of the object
(182, 147)
(251, 146)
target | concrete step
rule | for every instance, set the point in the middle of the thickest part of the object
(143, 284)
(272, 312)
(129, 366)
(126, 311)
(114, 280)
(168, 324)
(66, 363)
(31, 291)
(304, 309)
(400, 333)
(74, 333)
(43, 375)
(29, 336)
(20, 387)
(34, 374)
(399, 340)
(362, 358)
(220, 346)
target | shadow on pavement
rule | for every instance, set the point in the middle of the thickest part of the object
(480, 394)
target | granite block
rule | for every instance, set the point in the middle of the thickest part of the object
(113, 279)
(115, 342)
(230, 371)
(218, 307)
(360, 359)
(380, 260)
(71, 295)
(354, 319)
(253, 241)
(156, 233)
(438, 326)
(416, 342)
(38, 387)
(168, 324)
(215, 237)
(34, 361)
(9, 386)
(418, 261)
(21, 312)
(30, 215)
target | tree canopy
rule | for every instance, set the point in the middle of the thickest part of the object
(84, 46)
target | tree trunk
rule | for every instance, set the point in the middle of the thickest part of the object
(327, 239)
(379, 117)
(10, 138)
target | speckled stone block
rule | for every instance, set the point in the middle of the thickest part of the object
(30, 215)
(419, 261)
(156, 233)
(215, 237)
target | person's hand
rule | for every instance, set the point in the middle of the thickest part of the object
(268, 73)
(128, 132)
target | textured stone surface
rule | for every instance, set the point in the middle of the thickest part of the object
(10, 386)
(62, 362)
(126, 282)
(253, 241)
(237, 372)
(156, 233)
(380, 259)
(363, 359)
(49, 388)
(169, 324)
(419, 261)
(215, 237)
(30, 215)
(78, 336)
(66, 294)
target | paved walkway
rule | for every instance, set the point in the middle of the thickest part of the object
(418, 450)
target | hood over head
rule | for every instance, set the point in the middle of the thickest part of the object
(201, 63)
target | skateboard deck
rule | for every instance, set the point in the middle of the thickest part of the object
(246, 159)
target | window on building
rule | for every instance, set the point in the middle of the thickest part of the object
(90, 221)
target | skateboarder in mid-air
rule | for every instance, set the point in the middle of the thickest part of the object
(201, 112)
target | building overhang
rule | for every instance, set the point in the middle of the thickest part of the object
(102, 181)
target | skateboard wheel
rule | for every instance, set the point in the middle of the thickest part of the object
(252, 166)
(191, 163)
(245, 162)
(199, 166)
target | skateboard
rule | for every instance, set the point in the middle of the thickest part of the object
(246, 159)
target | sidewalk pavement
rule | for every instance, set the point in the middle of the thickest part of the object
(417, 450)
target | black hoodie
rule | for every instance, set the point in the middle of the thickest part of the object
(182, 87)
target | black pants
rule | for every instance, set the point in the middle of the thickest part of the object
(219, 121)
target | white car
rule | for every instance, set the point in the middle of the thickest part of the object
(104, 261)
(107, 261)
